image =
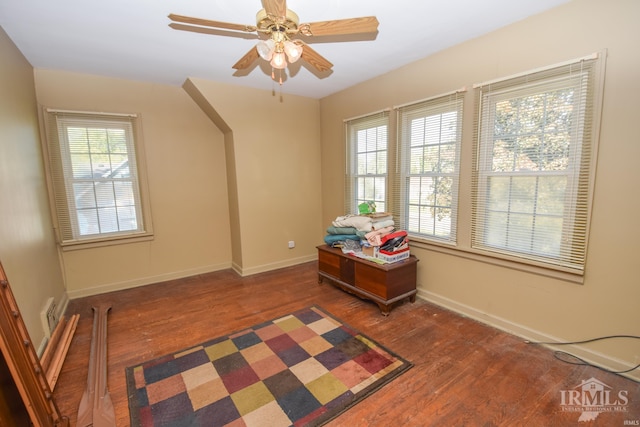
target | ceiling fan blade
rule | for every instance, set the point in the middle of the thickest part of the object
(316, 60)
(366, 24)
(276, 8)
(248, 59)
(209, 23)
(212, 31)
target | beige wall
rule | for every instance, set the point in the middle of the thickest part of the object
(27, 247)
(186, 180)
(276, 157)
(530, 304)
(199, 170)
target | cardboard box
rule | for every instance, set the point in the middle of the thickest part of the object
(394, 248)
(369, 251)
(375, 252)
(392, 256)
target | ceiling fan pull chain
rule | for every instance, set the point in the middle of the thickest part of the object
(273, 82)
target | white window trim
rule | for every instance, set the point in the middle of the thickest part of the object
(352, 126)
(569, 272)
(463, 248)
(443, 105)
(53, 155)
(571, 173)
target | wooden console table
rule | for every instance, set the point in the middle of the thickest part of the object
(385, 284)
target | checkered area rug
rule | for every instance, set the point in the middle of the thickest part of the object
(302, 369)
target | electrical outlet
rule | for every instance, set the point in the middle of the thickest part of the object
(292, 244)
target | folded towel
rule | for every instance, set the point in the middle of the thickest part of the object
(361, 223)
(382, 224)
(375, 237)
(341, 230)
(333, 238)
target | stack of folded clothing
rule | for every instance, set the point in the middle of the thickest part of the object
(367, 229)
(336, 236)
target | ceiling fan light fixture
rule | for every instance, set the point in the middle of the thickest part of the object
(278, 61)
(279, 30)
(265, 49)
(293, 51)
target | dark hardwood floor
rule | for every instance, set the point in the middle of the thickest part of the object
(465, 373)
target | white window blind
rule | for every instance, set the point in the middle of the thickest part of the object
(94, 176)
(367, 161)
(533, 165)
(430, 134)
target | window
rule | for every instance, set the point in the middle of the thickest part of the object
(367, 159)
(430, 137)
(533, 165)
(95, 176)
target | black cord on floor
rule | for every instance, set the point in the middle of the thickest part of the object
(563, 356)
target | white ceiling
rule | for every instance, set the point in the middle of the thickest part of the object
(131, 39)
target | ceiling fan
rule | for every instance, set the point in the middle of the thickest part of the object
(281, 33)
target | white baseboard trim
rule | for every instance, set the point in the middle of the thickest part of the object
(273, 266)
(237, 268)
(62, 306)
(146, 281)
(528, 334)
(185, 273)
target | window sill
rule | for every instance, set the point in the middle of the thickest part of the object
(515, 264)
(110, 241)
